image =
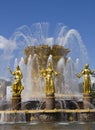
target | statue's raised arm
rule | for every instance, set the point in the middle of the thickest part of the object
(10, 70)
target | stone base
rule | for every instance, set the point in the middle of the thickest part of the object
(16, 102)
(50, 101)
(87, 101)
(47, 117)
(86, 117)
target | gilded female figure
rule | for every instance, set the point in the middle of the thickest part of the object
(49, 74)
(17, 85)
(87, 81)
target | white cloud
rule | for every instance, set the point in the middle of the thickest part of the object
(6, 44)
(6, 54)
(3, 42)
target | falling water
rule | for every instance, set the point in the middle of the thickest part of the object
(37, 35)
(70, 78)
(12, 117)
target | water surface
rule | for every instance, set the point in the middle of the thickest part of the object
(48, 126)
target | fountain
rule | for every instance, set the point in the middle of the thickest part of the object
(51, 89)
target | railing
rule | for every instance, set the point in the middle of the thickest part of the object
(50, 111)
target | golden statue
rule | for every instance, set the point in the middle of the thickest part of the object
(49, 74)
(87, 81)
(17, 85)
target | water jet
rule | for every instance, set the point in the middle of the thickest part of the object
(47, 96)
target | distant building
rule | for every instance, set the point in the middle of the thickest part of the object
(4, 92)
(8, 93)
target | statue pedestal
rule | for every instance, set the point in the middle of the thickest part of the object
(87, 116)
(50, 101)
(87, 100)
(16, 102)
(50, 105)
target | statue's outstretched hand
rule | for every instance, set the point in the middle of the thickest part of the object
(9, 69)
(78, 75)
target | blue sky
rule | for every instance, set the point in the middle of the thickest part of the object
(77, 14)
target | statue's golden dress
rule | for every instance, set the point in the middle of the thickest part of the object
(87, 81)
